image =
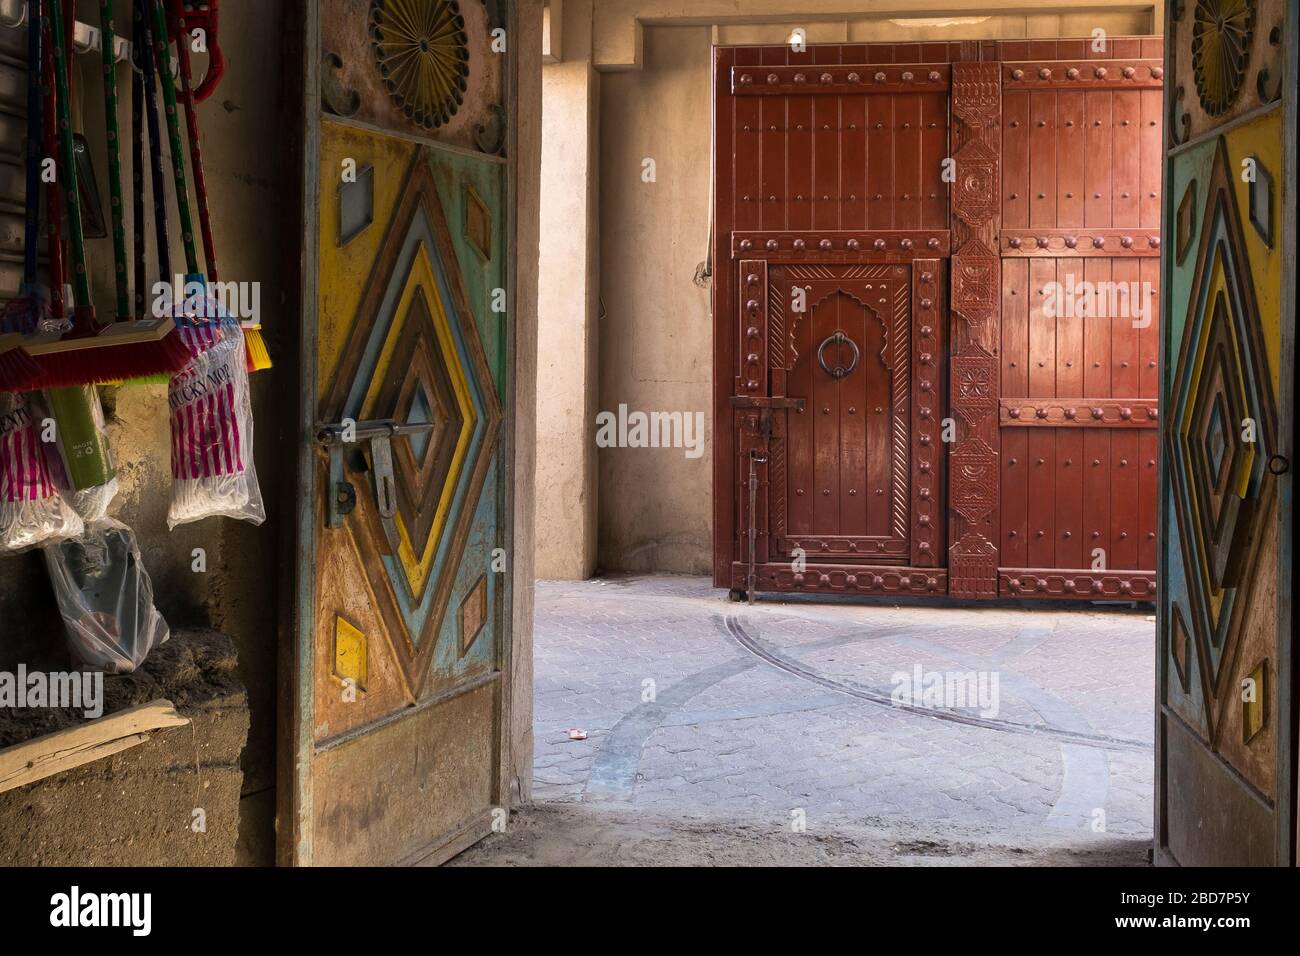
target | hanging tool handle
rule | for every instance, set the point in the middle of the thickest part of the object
(203, 15)
(181, 34)
(49, 149)
(32, 224)
(158, 175)
(162, 50)
(107, 46)
(84, 308)
(137, 171)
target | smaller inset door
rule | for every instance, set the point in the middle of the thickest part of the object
(840, 487)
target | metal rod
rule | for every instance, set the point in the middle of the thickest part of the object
(751, 579)
(332, 434)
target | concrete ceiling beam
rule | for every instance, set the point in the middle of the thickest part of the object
(618, 25)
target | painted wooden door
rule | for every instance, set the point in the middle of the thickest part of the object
(1079, 239)
(1226, 751)
(404, 642)
(831, 220)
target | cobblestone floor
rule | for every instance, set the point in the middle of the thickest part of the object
(765, 719)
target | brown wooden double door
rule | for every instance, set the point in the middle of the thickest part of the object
(925, 379)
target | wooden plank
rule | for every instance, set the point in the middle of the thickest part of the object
(1015, 158)
(907, 162)
(72, 747)
(1042, 158)
(1097, 171)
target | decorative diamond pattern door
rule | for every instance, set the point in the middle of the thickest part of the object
(401, 672)
(1226, 753)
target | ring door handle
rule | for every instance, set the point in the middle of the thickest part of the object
(838, 371)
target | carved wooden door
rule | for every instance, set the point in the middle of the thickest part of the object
(990, 182)
(1079, 239)
(403, 649)
(1226, 713)
(832, 218)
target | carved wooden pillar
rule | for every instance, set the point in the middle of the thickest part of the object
(975, 297)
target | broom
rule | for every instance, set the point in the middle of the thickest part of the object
(30, 310)
(94, 352)
(257, 356)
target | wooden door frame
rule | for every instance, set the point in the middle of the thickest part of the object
(295, 737)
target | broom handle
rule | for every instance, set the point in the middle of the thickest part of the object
(80, 276)
(144, 44)
(53, 200)
(196, 152)
(107, 47)
(137, 172)
(163, 49)
(32, 224)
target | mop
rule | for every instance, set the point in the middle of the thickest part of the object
(32, 512)
(93, 352)
(255, 343)
(211, 409)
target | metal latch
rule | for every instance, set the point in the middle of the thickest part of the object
(337, 437)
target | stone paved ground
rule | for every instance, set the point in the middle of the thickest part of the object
(714, 730)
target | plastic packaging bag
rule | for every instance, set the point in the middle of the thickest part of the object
(80, 460)
(212, 424)
(106, 598)
(32, 512)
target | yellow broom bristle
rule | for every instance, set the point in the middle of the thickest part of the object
(259, 359)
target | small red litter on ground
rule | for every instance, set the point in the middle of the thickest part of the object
(577, 733)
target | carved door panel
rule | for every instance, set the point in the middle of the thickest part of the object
(832, 218)
(1226, 750)
(840, 486)
(404, 644)
(1079, 242)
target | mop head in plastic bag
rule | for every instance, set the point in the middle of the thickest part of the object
(212, 428)
(32, 512)
(105, 598)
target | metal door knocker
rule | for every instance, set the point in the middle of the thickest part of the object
(838, 371)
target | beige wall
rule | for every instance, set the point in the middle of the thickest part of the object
(568, 306)
(655, 341)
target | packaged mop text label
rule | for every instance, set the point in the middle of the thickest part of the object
(189, 387)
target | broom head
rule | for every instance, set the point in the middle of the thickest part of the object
(19, 372)
(122, 351)
(257, 356)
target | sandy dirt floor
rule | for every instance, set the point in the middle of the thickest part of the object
(566, 834)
